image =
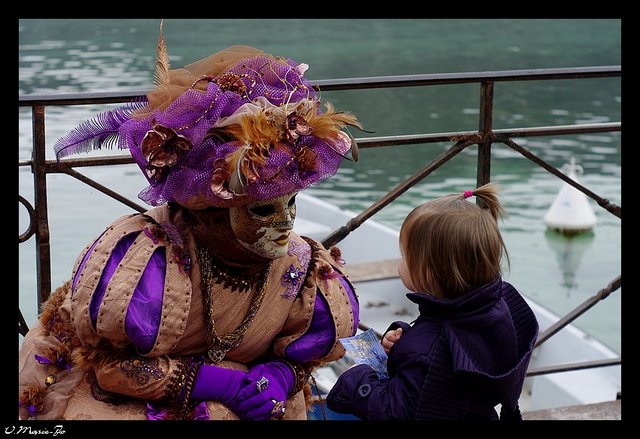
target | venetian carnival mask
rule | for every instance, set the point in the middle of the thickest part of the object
(263, 227)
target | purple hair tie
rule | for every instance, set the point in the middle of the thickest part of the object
(468, 194)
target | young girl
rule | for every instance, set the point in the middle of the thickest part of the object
(470, 347)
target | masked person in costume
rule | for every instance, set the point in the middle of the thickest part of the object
(209, 305)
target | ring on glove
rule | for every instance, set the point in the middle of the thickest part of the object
(262, 384)
(278, 409)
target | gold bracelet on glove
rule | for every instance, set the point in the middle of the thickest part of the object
(181, 384)
(301, 374)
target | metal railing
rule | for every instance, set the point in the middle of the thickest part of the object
(483, 138)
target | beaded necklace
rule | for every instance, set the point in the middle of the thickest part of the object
(219, 346)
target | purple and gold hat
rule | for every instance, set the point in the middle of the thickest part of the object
(235, 127)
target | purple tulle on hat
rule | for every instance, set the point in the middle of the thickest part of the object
(257, 124)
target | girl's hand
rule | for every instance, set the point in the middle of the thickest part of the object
(390, 338)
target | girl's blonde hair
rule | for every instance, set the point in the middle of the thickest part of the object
(452, 246)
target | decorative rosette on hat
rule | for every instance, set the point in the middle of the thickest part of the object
(233, 128)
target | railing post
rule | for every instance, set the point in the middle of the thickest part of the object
(485, 128)
(39, 170)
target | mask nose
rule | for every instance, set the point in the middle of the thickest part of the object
(284, 218)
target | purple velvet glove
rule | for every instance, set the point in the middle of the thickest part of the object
(215, 383)
(260, 405)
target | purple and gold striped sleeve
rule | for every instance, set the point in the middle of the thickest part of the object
(120, 300)
(142, 319)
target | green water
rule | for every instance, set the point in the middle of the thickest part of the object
(60, 56)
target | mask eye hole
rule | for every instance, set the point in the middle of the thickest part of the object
(264, 210)
(292, 201)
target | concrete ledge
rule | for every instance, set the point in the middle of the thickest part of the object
(374, 270)
(609, 410)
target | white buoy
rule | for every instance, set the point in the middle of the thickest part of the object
(570, 212)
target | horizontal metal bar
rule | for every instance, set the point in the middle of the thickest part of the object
(500, 135)
(412, 139)
(573, 366)
(53, 166)
(467, 77)
(374, 142)
(63, 165)
(356, 83)
(84, 98)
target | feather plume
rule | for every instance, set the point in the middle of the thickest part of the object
(101, 131)
(258, 133)
(327, 125)
(161, 75)
(256, 129)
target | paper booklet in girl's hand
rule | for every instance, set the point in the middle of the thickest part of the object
(365, 348)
